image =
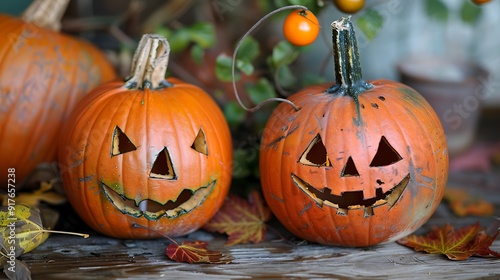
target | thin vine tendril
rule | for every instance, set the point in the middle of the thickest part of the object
(257, 107)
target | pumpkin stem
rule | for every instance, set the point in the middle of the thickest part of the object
(149, 63)
(46, 13)
(348, 76)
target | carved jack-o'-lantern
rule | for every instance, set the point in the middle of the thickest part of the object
(358, 163)
(151, 152)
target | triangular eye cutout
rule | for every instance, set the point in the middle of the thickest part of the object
(162, 167)
(386, 154)
(121, 143)
(315, 154)
(200, 143)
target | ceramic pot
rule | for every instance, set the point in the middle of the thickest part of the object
(454, 88)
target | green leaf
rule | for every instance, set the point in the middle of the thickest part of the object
(179, 40)
(279, 3)
(285, 77)
(249, 49)
(223, 68)
(245, 66)
(223, 65)
(437, 10)
(312, 5)
(301, 2)
(370, 23)
(469, 12)
(164, 31)
(260, 91)
(234, 113)
(283, 54)
(197, 54)
(202, 34)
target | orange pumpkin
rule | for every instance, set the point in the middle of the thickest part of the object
(358, 163)
(151, 152)
(43, 73)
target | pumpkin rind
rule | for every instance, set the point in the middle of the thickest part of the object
(349, 129)
(43, 74)
(156, 121)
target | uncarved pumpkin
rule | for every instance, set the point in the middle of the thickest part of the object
(151, 152)
(358, 163)
(43, 73)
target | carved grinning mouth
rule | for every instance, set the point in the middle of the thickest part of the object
(153, 210)
(352, 200)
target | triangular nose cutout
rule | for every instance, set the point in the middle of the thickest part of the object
(121, 143)
(315, 154)
(200, 143)
(349, 169)
(162, 167)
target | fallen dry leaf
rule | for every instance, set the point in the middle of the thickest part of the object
(195, 252)
(12, 267)
(45, 193)
(191, 251)
(26, 223)
(455, 244)
(463, 203)
(243, 221)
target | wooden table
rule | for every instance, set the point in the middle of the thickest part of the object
(67, 257)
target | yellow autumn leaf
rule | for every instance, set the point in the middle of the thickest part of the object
(44, 193)
(27, 226)
(24, 224)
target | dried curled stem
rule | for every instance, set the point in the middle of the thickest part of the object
(255, 108)
(150, 63)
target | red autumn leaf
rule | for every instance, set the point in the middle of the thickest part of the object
(243, 221)
(455, 244)
(463, 203)
(191, 251)
(195, 252)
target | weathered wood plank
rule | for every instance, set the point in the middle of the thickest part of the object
(63, 257)
(68, 257)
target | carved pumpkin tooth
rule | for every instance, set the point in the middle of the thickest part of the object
(397, 191)
(143, 205)
(368, 211)
(342, 211)
(330, 204)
